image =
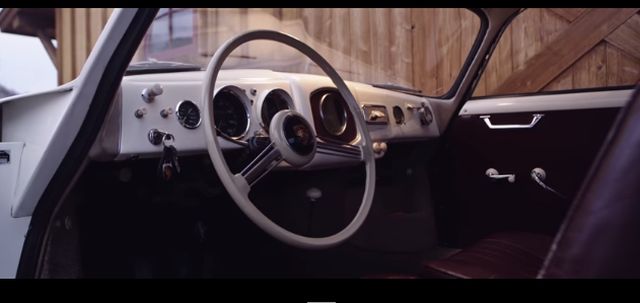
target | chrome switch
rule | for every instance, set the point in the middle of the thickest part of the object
(150, 93)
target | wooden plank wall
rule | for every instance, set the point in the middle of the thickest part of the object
(422, 48)
(77, 30)
(570, 48)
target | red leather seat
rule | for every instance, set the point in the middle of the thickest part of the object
(501, 255)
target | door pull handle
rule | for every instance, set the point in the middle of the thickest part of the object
(534, 120)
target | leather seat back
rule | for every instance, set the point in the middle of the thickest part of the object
(600, 238)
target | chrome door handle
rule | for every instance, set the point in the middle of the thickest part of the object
(493, 174)
(534, 121)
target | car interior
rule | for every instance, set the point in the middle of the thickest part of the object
(234, 170)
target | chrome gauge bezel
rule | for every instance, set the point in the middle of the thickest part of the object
(242, 97)
(263, 100)
(180, 118)
(345, 115)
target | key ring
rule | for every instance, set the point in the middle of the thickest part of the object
(167, 137)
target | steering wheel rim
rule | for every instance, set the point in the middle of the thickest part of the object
(238, 188)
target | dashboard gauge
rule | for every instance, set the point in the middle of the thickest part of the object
(398, 114)
(230, 112)
(275, 101)
(333, 112)
(188, 114)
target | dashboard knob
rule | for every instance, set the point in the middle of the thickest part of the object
(140, 112)
(149, 93)
(166, 112)
(379, 148)
(314, 194)
(426, 116)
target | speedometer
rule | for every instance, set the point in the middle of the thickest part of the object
(230, 112)
(188, 114)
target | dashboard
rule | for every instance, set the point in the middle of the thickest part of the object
(244, 103)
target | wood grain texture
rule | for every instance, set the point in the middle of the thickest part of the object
(590, 70)
(400, 50)
(449, 48)
(202, 18)
(618, 63)
(410, 47)
(96, 23)
(424, 47)
(569, 13)
(59, 39)
(627, 37)
(66, 46)
(526, 37)
(380, 45)
(562, 82)
(80, 38)
(500, 65)
(622, 69)
(361, 55)
(312, 22)
(550, 27)
(569, 46)
(291, 13)
(340, 41)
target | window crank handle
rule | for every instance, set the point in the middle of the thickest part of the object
(538, 175)
(493, 174)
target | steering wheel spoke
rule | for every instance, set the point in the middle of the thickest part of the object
(269, 158)
(349, 151)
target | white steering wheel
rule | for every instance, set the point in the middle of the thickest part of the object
(293, 140)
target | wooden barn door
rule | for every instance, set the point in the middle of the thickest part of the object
(560, 48)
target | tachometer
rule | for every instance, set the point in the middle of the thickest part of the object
(188, 114)
(275, 101)
(334, 113)
(230, 112)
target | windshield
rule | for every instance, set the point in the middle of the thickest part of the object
(421, 49)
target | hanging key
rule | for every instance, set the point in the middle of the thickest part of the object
(169, 167)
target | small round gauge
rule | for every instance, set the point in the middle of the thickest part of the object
(188, 114)
(398, 114)
(333, 113)
(275, 101)
(230, 112)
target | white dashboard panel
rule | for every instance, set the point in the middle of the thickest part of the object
(411, 129)
(179, 86)
(176, 88)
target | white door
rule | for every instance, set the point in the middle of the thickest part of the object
(43, 132)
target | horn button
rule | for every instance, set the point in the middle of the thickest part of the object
(294, 137)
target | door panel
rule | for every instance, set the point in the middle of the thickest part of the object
(563, 142)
